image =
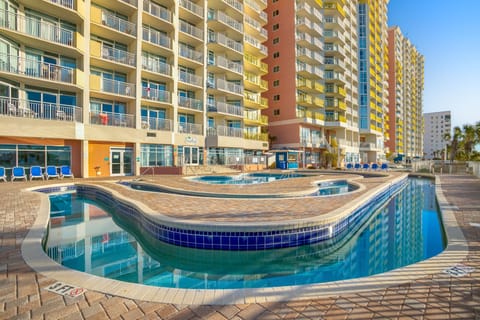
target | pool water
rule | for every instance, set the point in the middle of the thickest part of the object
(85, 236)
(250, 178)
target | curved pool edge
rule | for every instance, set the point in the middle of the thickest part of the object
(33, 254)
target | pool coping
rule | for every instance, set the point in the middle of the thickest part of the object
(33, 254)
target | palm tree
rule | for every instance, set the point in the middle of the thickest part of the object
(469, 140)
(454, 142)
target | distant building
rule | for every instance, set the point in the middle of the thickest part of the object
(405, 95)
(437, 124)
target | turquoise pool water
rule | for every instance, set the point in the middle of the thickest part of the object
(85, 236)
(249, 178)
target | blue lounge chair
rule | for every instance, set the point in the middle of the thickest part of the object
(384, 166)
(18, 173)
(366, 166)
(349, 166)
(3, 176)
(65, 172)
(357, 166)
(51, 172)
(374, 166)
(36, 173)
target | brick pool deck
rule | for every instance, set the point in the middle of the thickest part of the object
(420, 292)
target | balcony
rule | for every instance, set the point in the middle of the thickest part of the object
(228, 86)
(224, 63)
(254, 24)
(158, 124)
(189, 53)
(221, 39)
(130, 2)
(190, 78)
(255, 61)
(64, 3)
(115, 55)
(156, 37)
(112, 119)
(254, 82)
(190, 128)
(255, 136)
(225, 108)
(221, 17)
(190, 103)
(191, 30)
(119, 24)
(255, 117)
(314, 117)
(235, 4)
(256, 44)
(157, 11)
(156, 95)
(225, 131)
(112, 86)
(192, 7)
(38, 29)
(156, 66)
(14, 107)
(36, 69)
(254, 100)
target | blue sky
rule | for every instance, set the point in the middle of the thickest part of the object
(447, 33)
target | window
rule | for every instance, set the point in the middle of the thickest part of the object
(276, 97)
(273, 1)
(276, 68)
(276, 83)
(275, 13)
(276, 112)
(276, 55)
(276, 40)
(275, 27)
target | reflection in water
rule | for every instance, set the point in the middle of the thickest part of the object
(84, 237)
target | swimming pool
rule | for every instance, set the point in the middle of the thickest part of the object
(85, 236)
(248, 178)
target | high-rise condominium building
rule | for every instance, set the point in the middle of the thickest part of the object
(437, 125)
(406, 79)
(373, 79)
(111, 87)
(320, 54)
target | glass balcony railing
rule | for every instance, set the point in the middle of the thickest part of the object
(15, 107)
(157, 11)
(192, 7)
(118, 87)
(157, 124)
(36, 69)
(225, 108)
(34, 27)
(64, 3)
(156, 95)
(225, 131)
(190, 103)
(118, 24)
(191, 30)
(220, 38)
(156, 37)
(190, 78)
(190, 128)
(112, 119)
(120, 56)
(156, 66)
(187, 52)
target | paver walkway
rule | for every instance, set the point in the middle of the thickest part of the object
(437, 296)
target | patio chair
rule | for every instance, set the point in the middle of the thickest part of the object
(36, 173)
(357, 166)
(18, 173)
(366, 166)
(374, 166)
(65, 172)
(384, 166)
(51, 172)
(3, 176)
(349, 166)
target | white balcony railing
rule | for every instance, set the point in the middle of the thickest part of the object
(192, 7)
(112, 119)
(39, 110)
(222, 39)
(117, 55)
(190, 128)
(118, 87)
(118, 24)
(157, 124)
(190, 78)
(156, 95)
(190, 103)
(157, 11)
(225, 131)
(156, 65)
(156, 37)
(225, 108)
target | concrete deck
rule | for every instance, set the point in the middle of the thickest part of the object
(421, 291)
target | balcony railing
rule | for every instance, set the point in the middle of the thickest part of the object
(39, 110)
(189, 53)
(35, 69)
(191, 30)
(257, 44)
(222, 39)
(190, 128)
(225, 131)
(118, 24)
(118, 87)
(157, 38)
(256, 136)
(156, 65)
(190, 103)
(132, 2)
(64, 3)
(117, 55)
(192, 7)
(112, 119)
(226, 108)
(225, 19)
(38, 29)
(157, 11)
(225, 85)
(190, 78)
(223, 62)
(157, 124)
(156, 95)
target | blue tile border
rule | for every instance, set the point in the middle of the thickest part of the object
(181, 234)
